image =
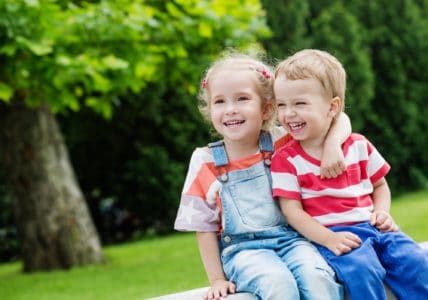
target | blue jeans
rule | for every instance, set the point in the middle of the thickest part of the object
(392, 258)
(259, 252)
(278, 264)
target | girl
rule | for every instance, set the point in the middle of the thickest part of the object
(244, 241)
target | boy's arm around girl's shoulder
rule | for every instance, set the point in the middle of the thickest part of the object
(332, 159)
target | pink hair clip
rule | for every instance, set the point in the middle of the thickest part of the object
(204, 83)
(264, 72)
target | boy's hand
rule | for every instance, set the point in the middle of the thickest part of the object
(383, 221)
(342, 242)
(332, 162)
(219, 289)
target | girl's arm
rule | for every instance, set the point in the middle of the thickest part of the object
(337, 242)
(332, 160)
(210, 254)
(381, 217)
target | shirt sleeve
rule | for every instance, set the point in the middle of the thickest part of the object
(198, 210)
(377, 167)
(284, 177)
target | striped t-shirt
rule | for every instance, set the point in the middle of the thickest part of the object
(200, 205)
(345, 199)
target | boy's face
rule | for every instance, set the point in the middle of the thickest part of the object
(304, 109)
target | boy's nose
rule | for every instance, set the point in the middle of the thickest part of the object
(289, 112)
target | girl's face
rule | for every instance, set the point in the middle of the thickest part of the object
(236, 108)
(304, 109)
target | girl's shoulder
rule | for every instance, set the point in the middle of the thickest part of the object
(201, 156)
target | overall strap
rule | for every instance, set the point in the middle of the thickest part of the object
(266, 146)
(220, 158)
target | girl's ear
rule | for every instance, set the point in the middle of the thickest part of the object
(267, 110)
(335, 107)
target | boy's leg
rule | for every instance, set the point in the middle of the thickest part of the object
(359, 270)
(262, 273)
(314, 277)
(406, 265)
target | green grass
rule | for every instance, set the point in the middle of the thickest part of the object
(156, 266)
(137, 270)
(410, 212)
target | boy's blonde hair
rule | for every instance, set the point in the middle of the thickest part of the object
(317, 64)
(263, 75)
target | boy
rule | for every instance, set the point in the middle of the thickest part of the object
(347, 217)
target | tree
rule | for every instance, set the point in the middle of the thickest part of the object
(57, 58)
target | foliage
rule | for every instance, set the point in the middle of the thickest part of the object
(382, 45)
(148, 142)
(140, 58)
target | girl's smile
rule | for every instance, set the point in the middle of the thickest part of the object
(236, 109)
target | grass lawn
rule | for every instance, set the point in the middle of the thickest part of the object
(157, 266)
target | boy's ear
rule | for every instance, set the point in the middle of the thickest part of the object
(335, 107)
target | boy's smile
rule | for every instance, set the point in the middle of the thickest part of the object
(304, 109)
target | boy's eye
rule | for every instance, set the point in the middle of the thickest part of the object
(300, 103)
(280, 104)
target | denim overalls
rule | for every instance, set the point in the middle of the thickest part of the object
(260, 253)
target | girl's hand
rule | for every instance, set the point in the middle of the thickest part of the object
(342, 242)
(332, 162)
(220, 288)
(383, 221)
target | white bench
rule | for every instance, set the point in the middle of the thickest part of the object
(197, 294)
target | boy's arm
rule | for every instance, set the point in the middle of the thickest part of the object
(337, 242)
(210, 254)
(381, 217)
(332, 160)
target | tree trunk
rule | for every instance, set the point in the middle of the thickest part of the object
(54, 225)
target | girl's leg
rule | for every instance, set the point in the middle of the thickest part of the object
(314, 277)
(406, 265)
(262, 273)
(359, 270)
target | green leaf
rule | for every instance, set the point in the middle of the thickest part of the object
(37, 47)
(114, 63)
(205, 30)
(6, 92)
(101, 106)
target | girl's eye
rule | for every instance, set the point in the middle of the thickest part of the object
(282, 105)
(300, 103)
(218, 101)
(243, 98)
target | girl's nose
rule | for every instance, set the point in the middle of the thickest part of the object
(231, 107)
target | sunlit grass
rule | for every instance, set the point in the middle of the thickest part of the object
(410, 212)
(156, 266)
(133, 271)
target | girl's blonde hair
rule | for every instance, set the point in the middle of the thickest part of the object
(237, 61)
(317, 64)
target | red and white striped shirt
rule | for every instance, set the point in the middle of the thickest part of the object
(345, 199)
